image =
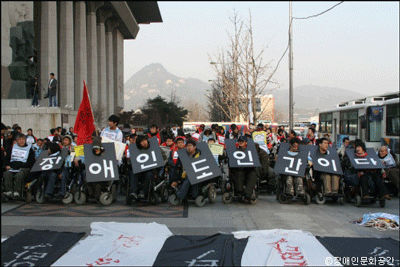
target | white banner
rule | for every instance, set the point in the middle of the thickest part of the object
(283, 248)
(119, 147)
(118, 244)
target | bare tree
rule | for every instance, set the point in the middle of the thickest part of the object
(196, 111)
(242, 77)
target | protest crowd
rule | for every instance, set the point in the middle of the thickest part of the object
(239, 163)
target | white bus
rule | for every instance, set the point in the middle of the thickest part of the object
(374, 119)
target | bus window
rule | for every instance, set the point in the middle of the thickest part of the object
(393, 120)
(349, 122)
(325, 121)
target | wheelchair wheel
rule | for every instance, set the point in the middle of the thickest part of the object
(382, 203)
(227, 198)
(358, 200)
(39, 197)
(80, 198)
(320, 199)
(153, 198)
(69, 197)
(307, 199)
(173, 200)
(341, 200)
(212, 194)
(200, 201)
(164, 193)
(282, 198)
(106, 199)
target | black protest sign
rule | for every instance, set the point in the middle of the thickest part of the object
(148, 159)
(47, 163)
(371, 161)
(215, 250)
(328, 163)
(36, 247)
(103, 167)
(291, 165)
(202, 168)
(242, 159)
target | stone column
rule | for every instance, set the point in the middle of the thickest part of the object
(102, 16)
(92, 62)
(80, 50)
(48, 44)
(118, 70)
(111, 24)
(66, 43)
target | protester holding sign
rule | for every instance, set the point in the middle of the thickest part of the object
(141, 169)
(172, 165)
(265, 172)
(243, 175)
(51, 175)
(330, 180)
(65, 174)
(366, 174)
(19, 160)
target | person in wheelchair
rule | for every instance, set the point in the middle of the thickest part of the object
(330, 181)
(265, 173)
(51, 175)
(18, 161)
(174, 166)
(142, 144)
(193, 152)
(244, 176)
(294, 184)
(366, 175)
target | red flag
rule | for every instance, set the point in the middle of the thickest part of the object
(84, 123)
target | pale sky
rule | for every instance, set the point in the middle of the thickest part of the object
(354, 46)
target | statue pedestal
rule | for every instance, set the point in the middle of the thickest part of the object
(40, 119)
(19, 90)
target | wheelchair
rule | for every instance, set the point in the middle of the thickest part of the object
(229, 192)
(42, 184)
(285, 198)
(318, 190)
(158, 189)
(85, 191)
(355, 193)
(28, 191)
(206, 190)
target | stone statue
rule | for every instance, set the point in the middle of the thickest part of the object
(22, 69)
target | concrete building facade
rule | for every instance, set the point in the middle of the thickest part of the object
(77, 41)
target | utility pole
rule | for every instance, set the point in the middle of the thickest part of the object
(290, 69)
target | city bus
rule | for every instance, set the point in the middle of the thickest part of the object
(374, 119)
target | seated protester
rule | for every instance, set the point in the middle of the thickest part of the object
(57, 136)
(153, 132)
(328, 137)
(51, 136)
(174, 166)
(367, 174)
(298, 181)
(67, 143)
(112, 131)
(200, 129)
(169, 142)
(234, 132)
(175, 131)
(51, 175)
(38, 148)
(244, 176)
(218, 158)
(293, 134)
(331, 181)
(220, 135)
(193, 152)
(142, 144)
(389, 159)
(207, 134)
(281, 135)
(30, 138)
(265, 170)
(132, 140)
(19, 161)
(342, 150)
(311, 135)
(75, 140)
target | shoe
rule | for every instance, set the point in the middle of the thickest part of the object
(58, 195)
(366, 197)
(174, 184)
(141, 195)
(135, 196)
(47, 196)
(16, 194)
(387, 197)
(38, 105)
(8, 194)
(32, 106)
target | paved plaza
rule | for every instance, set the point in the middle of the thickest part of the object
(330, 219)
